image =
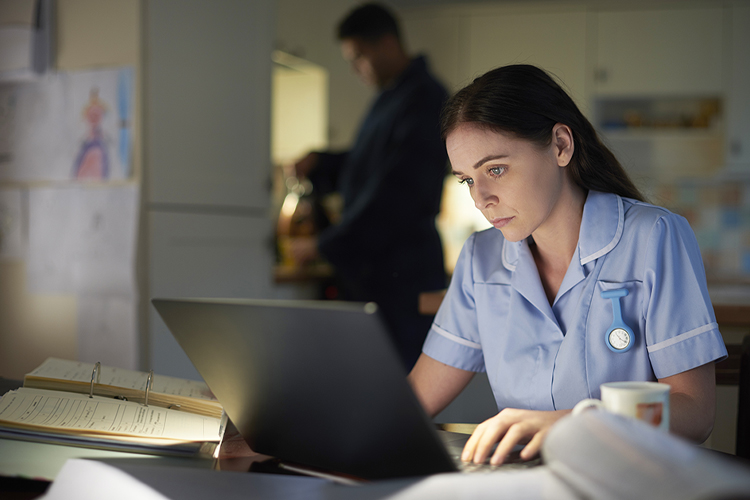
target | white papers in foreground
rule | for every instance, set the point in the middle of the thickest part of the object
(53, 416)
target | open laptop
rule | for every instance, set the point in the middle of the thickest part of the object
(316, 383)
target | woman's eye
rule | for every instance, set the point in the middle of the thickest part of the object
(497, 171)
(467, 181)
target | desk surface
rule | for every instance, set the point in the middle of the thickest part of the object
(592, 442)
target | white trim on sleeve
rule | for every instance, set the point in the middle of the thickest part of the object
(683, 336)
(455, 338)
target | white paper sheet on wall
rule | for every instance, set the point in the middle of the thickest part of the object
(82, 240)
(107, 326)
(64, 126)
(12, 223)
(51, 240)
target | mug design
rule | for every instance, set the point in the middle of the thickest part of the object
(650, 412)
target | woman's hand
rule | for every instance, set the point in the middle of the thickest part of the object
(507, 429)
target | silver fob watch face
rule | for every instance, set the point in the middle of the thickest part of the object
(619, 338)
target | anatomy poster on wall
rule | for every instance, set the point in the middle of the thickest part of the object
(67, 126)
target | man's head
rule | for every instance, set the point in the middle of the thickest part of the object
(371, 43)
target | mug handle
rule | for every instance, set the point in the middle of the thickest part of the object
(586, 404)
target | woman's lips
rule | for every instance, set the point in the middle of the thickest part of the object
(501, 222)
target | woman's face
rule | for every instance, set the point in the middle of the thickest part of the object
(514, 183)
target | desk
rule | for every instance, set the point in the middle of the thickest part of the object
(27, 468)
(580, 453)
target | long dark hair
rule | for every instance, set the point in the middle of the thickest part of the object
(527, 102)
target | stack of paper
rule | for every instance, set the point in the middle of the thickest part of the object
(181, 417)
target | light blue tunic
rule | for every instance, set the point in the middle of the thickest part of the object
(496, 317)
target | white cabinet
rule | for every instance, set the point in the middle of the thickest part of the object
(207, 79)
(208, 87)
(465, 42)
(552, 39)
(436, 33)
(203, 255)
(674, 51)
(738, 96)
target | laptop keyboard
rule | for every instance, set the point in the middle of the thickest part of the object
(455, 442)
(470, 467)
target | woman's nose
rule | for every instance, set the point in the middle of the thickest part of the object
(483, 198)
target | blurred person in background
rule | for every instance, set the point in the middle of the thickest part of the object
(386, 247)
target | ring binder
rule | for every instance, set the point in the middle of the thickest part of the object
(163, 391)
(148, 386)
(95, 375)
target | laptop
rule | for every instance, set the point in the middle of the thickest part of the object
(315, 383)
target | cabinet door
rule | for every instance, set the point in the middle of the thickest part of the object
(436, 34)
(207, 96)
(555, 41)
(738, 99)
(202, 255)
(659, 51)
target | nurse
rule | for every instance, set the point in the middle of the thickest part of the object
(580, 282)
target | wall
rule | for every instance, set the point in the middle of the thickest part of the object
(90, 33)
(201, 153)
(308, 30)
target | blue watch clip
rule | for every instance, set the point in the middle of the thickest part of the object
(619, 337)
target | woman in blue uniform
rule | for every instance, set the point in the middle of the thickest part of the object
(580, 282)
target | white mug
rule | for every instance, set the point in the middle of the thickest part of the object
(647, 401)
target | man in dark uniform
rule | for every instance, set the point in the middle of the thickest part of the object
(386, 247)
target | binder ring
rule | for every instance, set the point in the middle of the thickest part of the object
(148, 386)
(95, 376)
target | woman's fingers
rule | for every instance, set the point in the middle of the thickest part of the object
(487, 434)
(534, 446)
(515, 434)
(467, 455)
(507, 429)
(489, 438)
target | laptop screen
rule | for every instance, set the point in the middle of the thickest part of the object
(312, 382)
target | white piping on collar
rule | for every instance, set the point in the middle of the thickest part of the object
(584, 260)
(615, 239)
(510, 267)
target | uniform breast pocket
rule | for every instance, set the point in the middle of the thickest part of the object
(616, 315)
